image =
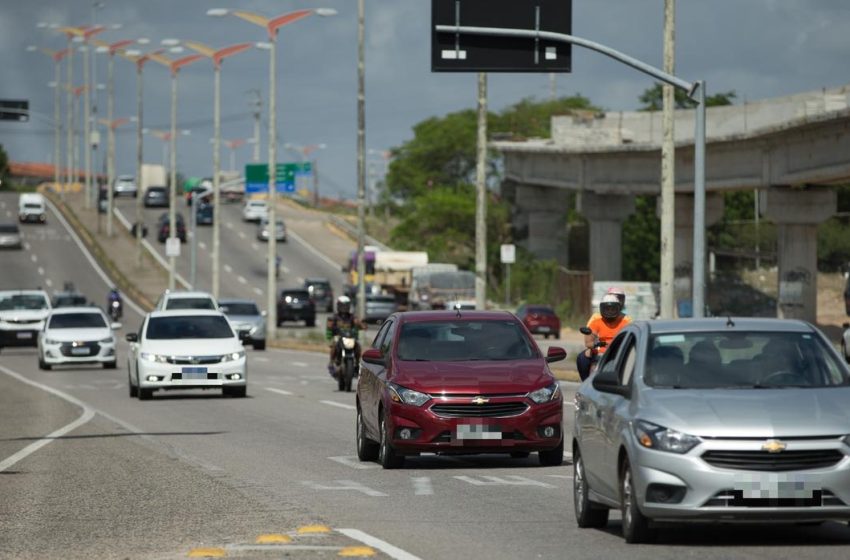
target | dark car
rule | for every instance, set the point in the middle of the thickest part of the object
(163, 226)
(69, 299)
(379, 307)
(156, 197)
(296, 305)
(449, 383)
(322, 292)
(203, 191)
(204, 214)
(540, 319)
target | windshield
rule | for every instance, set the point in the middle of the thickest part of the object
(459, 341)
(190, 303)
(32, 206)
(19, 302)
(709, 360)
(202, 326)
(69, 301)
(4, 228)
(240, 309)
(77, 321)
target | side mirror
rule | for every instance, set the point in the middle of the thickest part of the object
(115, 326)
(845, 325)
(132, 337)
(555, 354)
(373, 356)
(608, 382)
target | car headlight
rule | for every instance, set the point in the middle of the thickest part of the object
(545, 394)
(653, 436)
(846, 440)
(233, 356)
(51, 341)
(404, 395)
(109, 340)
(154, 358)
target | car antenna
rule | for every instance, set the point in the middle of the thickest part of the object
(729, 322)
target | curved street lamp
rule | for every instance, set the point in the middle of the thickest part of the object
(57, 57)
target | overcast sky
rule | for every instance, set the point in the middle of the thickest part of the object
(758, 48)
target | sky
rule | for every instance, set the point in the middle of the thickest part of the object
(757, 48)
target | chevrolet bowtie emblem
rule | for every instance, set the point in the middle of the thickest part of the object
(774, 446)
(480, 400)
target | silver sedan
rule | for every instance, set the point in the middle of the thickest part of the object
(713, 420)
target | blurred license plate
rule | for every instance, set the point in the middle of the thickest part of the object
(194, 373)
(478, 431)
(24, 335)
(80, 351)
(543, 329)
(775, 486)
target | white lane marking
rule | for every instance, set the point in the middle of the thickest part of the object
(33, 258)
(353, 462)
(228, 269)
(255, 247)
(241, 279)
(150, 249)
(40, 271)
(339, 404)
(392, 551)
(285, 270)
(49, 283)
(27, 246)
(258, 291)
(346, 485)
(566, 476)
(511, 480)
(229, 225)
(300, 240)
(278, 391)
(568, 456)
(9, 213)
(88, 414)
(422, 485)
(242, 235)
(202, 245)
(258, 359)
(300, 364)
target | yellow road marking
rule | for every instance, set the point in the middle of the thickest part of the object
(313, 529)
(357, 551)
(274, 539)
(207, 553)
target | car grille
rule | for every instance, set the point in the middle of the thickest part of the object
(23, 321)
(193, 360)
(764, 461)
(487, 410)
(68, 348)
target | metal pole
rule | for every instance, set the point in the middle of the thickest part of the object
(86, 125)
(69, 134)
(553, 87)
(507, 284)
(257, 114)
(481, 204)
(271, 280)
(172, 191)
(668, 172)
(699, 204)
(216, 262)
(57, 126)
(316, 183)
(193, 254)
(361, 160)
(139, 151)
(110, 149)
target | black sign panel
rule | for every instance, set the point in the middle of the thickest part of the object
(14, 110)
(453, 52)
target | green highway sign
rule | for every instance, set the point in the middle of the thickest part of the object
(257, 176)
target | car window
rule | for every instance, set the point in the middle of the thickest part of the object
(19, 302)
(77, 321)
(240, 309)
(462, 340)
(611, 355)
(387, 341)
(376, 343)
(190, 326)
(627, 364)
(190, 303)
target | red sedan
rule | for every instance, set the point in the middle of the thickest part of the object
(540, 319)
(457, 383)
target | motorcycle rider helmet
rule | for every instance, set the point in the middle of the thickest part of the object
(621, 295)
(610, 306)
(343, 305)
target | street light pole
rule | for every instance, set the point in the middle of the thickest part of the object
(361, 160)
(57, 57)
(481, 206)
(668, 173)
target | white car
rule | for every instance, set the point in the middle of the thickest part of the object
(187, 349)
(172, 300)
(255, 210)
(22, 314)
(125, 185)
(77, 335)
(32, 208)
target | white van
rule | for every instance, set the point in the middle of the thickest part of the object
(32, 208)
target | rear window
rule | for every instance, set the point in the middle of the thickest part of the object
(33, 206)
(204, 326)
(289, 295)
(77, 321)
(9, 228)
(240, 309)
(462, 341)
(544, 311)
(190, 303)
(19, 302)
(156, 190)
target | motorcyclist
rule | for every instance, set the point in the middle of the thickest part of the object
(343, 319)
(114, 303)
(602, 327)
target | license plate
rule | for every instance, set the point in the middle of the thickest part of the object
(24, 335)
(194, 373)
(776, 486)
(478, 432)
(543, 329)
(80, 351)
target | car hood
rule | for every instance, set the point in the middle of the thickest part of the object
(193, 346)
(70, 335)
(473, 378)
(758, 413)
(24, 315)
(246, 319)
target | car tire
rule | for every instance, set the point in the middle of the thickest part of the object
(43, 365)
(558, 335)
(367, 450)
(636, 527)
(519, 454)
(552, 457)
(259, 345)
(387, 456)
(588, 514)
(235, 392)
(144, 394)
(110, 365)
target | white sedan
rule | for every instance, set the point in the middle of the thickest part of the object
(255, 210)
(77, 335)
(186, 349)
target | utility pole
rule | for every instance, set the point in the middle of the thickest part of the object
(258, 112)
(481, 206)
(668, 171)
(553, 87)
(361, 160)
(69, 110)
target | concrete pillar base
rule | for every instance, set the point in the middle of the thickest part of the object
(605, 215)
(540, 220)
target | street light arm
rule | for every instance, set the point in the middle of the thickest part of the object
(275, 23)
(221, 54)
(185, 61)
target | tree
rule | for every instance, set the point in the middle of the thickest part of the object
(4, 165)
(653, 99)
(642, 242)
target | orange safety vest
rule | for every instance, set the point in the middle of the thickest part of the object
(607, 330)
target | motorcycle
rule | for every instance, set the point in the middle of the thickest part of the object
(596, 345)
(345, 359)
(116, 309)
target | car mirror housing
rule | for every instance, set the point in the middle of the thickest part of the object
(555, 354)
(132, 337)
(608, 382)
(373, 356)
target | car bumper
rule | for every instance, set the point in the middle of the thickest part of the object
(10, 243)
(52, 354)
(436, 434)
(40, 218)
(171, 376)
(296, 315)
(731, 495)
(19, 337)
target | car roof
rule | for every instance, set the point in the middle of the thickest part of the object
(32, 196)
(317, 280)
(188, 294)
(24, 292)
(446, 315)
(714, 324)
(77, 309)
(185, 312)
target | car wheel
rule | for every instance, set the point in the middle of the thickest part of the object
(110, 365)
(387, 456)
(259, 345)
(144, 394)
(234, 392)
(558, 335)
(587, 514)
(519, 454)
(367, 450)
(636, 527)
(43, 365)
(552, 457)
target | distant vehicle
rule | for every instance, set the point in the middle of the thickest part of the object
(172, 300)
(22, 314)
(201, 192)
(69, 299)
(32, 207)
(125, 185)
(204, 214)
(254, 210)
(10, 237)
(443, 290)
(156, 197)
(321, 292)
(392, 271)
(378, 307)
(186, 349)
(163, 227)
(76, 335)
(247, 320)
(540, 319)
(296, 305)
(263, 230)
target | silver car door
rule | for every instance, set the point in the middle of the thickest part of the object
(616, 417)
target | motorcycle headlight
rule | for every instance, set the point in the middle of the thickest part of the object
(348, 343)
(233, 356)
(404, 395)
(545, 394)
(653, 436)
(156, 358)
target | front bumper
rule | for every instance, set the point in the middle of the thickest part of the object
(433, 433)
(177, 376)
(64, 353)
(24, 336)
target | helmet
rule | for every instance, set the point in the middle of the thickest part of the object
(609, 306)
(621, 295)
(343, 304)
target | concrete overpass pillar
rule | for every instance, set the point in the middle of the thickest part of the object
(605, 216)
(542, 211)
(797, 213)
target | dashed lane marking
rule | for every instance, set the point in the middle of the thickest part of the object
(229, 225)
(255, 247)
(40, 271)
(300, 364)
(511, 480)
(49, 283)
(260, 359)
(258, 291)
(422, 486)
(357, 552)
(346, 485)
(202, 245)
(33, 258)
(278, 391)
(228, 269)
(392, 551)
(339, 405)
(27, 246)
(353, 462)
(241, 280)
(242, 235)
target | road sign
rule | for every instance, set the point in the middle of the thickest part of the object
(14, 110)
(508, 254)
(172, 247)
(453, 52)
(257, 176)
